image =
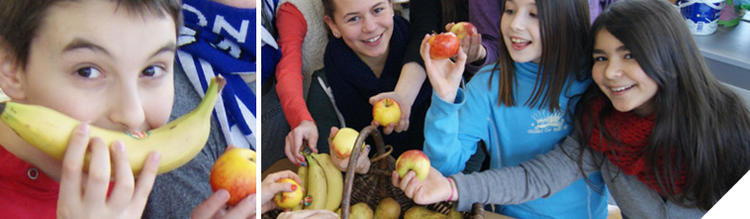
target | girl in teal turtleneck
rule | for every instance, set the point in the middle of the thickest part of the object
(521, 106)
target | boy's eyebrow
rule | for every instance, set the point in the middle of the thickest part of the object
(169, 47)
(79, 43)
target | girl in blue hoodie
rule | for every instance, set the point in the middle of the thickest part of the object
(521, 106)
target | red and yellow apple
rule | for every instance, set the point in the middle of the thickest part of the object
(463, 29)
(234, 171)
(343, 142)
(444, 45)
(288, 200)
(414, 160)
(386, 111)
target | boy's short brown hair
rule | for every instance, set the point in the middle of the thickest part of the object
(19, 20)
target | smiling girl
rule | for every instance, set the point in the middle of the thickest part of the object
(519, 107)
(668, 138)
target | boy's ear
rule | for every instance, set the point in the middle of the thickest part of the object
(10, 73)
(332, 25)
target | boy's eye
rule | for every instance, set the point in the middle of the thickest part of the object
(153, 71)
(353, 19)
(509, 11)
(88, 72)
(628, 56)
(532, 14)
(600, 59)
(378, 10)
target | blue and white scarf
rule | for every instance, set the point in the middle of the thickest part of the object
(220, 40)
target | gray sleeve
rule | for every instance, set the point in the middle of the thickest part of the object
(540, 177)
(176, 193)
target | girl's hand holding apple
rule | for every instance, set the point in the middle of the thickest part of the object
(444, 74)
(433, 189)
(471, 40)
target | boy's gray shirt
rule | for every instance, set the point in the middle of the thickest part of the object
(176, 193)
(551, 172)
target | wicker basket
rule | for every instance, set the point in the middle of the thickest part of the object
(376, 185)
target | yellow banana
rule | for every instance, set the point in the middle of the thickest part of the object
(177, 142)
(302, 173)
(316, 181)
(334, 181)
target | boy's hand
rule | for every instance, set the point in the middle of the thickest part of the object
(299, 214)
(444, 74)
(215, 206)
(433, 189)
(306, 131)
(83, 196)
(363, 163)
(403, 123)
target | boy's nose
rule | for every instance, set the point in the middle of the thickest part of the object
(126, 110)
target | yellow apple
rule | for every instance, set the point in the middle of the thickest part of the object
(288, 200)
(413, 160)
(234, 171)
(343, 142)
(386, 111)
(463, 29)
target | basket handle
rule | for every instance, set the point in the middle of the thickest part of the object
(349, 177)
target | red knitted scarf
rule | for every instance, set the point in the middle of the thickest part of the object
(632, 133)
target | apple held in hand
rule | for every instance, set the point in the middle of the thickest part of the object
(288, 200)
(386, 111)
(413, 160)
(463, 29)
(234, 171)
(444, 45)
(343, 142)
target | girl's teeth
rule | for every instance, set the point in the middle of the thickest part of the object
(517, 40)
(373, 39)
(621, 88)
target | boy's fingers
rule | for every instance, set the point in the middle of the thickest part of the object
(244, 208)
(98, 177)
(211, 205)
(146, 179)
(70, 180)
(122, 192)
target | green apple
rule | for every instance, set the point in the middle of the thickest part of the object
(343, 142)
(234, 171)
(386, 111)
(413, 160)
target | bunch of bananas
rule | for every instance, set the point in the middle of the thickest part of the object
(323, 183)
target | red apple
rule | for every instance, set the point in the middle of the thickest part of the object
(343, 142)
(463, 29)
(413, 160)
(288, 200)
(444, 45)
(386, 111)
(234, 171)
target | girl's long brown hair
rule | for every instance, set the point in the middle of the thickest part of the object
(564, 25)
(701, 126)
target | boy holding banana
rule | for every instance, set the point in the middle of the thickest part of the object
(108, 63)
